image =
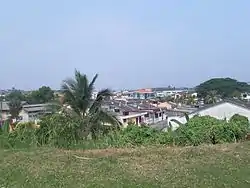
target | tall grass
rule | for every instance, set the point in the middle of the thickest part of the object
(63, 132)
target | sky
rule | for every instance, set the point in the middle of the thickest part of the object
(129, 43)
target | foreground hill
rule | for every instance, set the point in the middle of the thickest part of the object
(204, 166)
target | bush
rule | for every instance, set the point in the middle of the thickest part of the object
(196, 131)
(239, 126)
(239, 119)
(135, 135)
(58, 130)
(208, 130)
(221, 133)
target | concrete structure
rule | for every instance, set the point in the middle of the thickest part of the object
(5, 110)
(136, 112)
(33, 112)
(171, 92)
(28, 112)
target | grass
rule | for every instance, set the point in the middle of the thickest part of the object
(203, 166)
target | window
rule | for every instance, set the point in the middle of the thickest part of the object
(125, 113)
(117, 110)
(124, 120)
(146, 115)
(160, 114)
(156, 115)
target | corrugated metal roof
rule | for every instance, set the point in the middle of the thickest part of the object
(4, 105)
(35, 109)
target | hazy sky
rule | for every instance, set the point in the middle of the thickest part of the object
(130, 43)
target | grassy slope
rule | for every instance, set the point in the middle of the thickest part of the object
(205, 166)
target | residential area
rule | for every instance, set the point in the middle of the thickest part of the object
(150, 107)
(124, 94)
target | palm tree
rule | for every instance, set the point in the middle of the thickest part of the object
(191, 100)
(211, 98)
(78, 96)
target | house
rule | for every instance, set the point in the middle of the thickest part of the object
(5, 110)
(155, 114)
(33, 112)
(163, 105)
(221, 110)
(143, 94)
(126, 114)
(135, 111)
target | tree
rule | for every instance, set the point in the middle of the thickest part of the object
(43, 95)
(78, 95)
(191, 100)
(225, 87)
(211, 97)
(15, 107)
(15, 95)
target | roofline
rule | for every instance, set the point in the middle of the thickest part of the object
(219, 103)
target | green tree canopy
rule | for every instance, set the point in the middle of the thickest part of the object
(15, 95)
(225, 87)
(42, 95)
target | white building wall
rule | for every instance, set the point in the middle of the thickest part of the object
(223, 111)
(24, 115)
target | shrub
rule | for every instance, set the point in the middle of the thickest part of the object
(239, 126)
(196, 131)
(221, 133)
(58, 130)
(208, 130)
(239, 119)
(135, 135)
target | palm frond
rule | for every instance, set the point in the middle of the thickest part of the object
(92, 83)
(108, 118)
(84, 91)
(186, 116)
(69, 88)
(103, 122)
(101, 97)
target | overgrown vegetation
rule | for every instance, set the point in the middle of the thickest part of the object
(82, 123)
(60, 130)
